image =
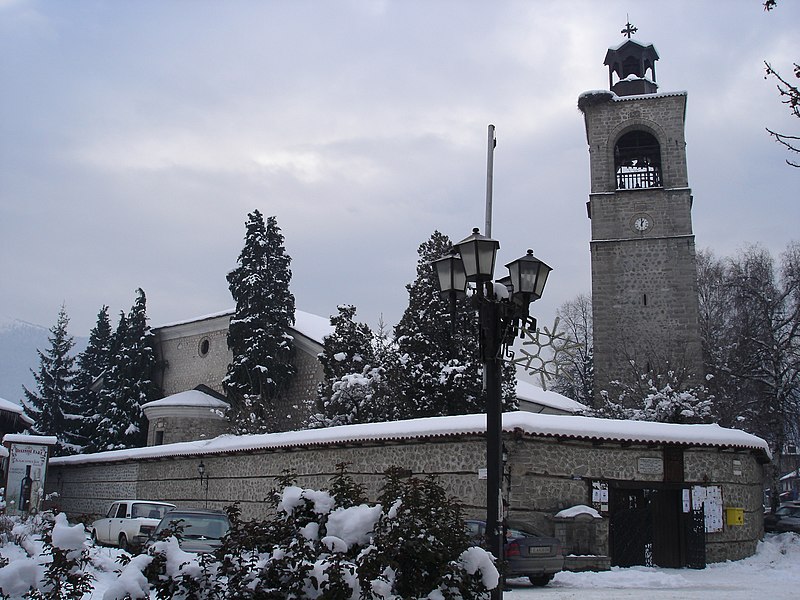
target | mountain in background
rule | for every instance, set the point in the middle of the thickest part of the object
(19, 341)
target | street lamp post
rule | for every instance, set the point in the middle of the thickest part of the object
(201, 472)
(502, 309)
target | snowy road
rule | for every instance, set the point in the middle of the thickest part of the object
(773, 573)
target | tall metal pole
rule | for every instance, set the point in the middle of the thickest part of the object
(489, 180)
(490, 345)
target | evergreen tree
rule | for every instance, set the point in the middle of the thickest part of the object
(92, 365)
(439, 370)
(128, 383)
(52, 406)
(258, 336)
(352, 377)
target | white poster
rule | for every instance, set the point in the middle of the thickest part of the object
(25, 484)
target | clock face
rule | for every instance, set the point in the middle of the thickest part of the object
(641, 222)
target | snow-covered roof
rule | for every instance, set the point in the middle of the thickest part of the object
(9, 406)
(312, 326)
(791, 475)
(558, 426)
(615, 98)
(188, 398)
(532, 393)
(21, 438)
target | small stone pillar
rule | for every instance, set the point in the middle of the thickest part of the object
(584, 539)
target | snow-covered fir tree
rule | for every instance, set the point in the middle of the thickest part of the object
(52, 405)
(355, 389)
(263, 352)
(128, 383)
(439, 371)
(92, 365)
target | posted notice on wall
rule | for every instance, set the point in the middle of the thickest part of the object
(25, 483)
(710, 498)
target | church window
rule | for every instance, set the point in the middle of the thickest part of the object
(204, 347)
(159, 437)
(637, 161)
(644, 299)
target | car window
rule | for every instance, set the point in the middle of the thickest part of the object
(122, 511)
(516, 533)
(148, 510)
(783, 511)
(197, 526)
(112, 511)
(473, 529)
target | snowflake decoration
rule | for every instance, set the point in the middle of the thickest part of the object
(551, 352)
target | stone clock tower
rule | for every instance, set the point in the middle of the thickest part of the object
(644, 275)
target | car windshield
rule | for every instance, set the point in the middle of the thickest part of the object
(197, 526)
(148, 510)
(517, 530)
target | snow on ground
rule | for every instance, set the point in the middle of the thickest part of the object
(773, 572)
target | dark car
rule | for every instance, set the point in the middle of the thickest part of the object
(527, 553)
(202, 529)
(786, 518)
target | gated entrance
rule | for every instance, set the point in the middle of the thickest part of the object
(648, 526)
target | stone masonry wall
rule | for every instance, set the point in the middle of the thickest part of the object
(185, 429)
(644, 283)
(545, 476)
(197, 353)
(662, 115)
(186, 367)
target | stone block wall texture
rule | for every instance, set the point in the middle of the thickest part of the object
(185, 429)
(188, 362)
(545, 476)
(186, 367)
(662, 115)
(644, 284)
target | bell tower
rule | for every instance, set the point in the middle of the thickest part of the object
(644, 274)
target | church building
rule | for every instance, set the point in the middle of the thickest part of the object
(644, 274)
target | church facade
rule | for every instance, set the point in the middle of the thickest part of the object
(194, 355)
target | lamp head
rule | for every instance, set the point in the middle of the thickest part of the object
(528, 276)
(478, 254)
(450, 275)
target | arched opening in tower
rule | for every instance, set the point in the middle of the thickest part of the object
(637, 161)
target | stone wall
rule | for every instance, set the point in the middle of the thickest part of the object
(185, 429)
(193, 353)
(544, 476)
(196, 352)
(644, 282)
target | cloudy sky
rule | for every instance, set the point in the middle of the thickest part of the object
(136, 136)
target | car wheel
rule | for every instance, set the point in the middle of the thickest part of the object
(123, 541)
(541, 580)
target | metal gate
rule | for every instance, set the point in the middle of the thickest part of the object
(650, 526)
(631, 527)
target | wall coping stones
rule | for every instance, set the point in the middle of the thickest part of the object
(518, 423)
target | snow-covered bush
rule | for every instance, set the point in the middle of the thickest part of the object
(333, 545)
(663, 398)
(51, 560)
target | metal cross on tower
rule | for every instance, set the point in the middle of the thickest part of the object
(629, 29)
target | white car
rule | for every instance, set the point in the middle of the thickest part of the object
(129, 522)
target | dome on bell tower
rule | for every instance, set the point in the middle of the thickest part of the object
(631, 61)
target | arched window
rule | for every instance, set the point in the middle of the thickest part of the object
(637, 161)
